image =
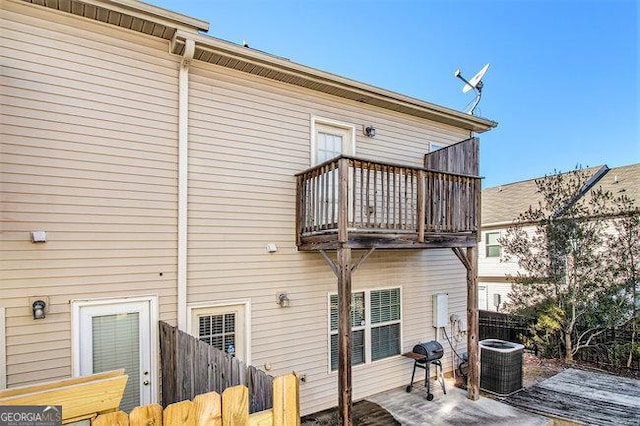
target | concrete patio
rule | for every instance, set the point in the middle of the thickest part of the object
(451, 409)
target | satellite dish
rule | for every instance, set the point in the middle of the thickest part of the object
(474, 84)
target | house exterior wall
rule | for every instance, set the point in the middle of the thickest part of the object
(248, 138)
(89, 154)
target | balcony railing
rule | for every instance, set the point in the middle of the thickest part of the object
(347, 195)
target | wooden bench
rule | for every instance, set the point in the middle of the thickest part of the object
(80, 397)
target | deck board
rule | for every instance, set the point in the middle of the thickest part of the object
(585, 396)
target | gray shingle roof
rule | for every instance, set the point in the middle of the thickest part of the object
(502, 204)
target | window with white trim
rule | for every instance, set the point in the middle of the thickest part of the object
(435, 146)
(221, 327)
(492, 246)
(376, 321)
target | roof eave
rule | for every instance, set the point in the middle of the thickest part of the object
(260, 63)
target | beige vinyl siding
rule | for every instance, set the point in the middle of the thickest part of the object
(89, 155)
(248, 138)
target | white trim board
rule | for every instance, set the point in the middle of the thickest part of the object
(3, 349)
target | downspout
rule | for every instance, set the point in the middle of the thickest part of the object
(183, 179)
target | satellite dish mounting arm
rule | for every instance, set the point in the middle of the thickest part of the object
(476, 84)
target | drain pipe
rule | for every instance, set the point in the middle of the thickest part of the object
(183, 179)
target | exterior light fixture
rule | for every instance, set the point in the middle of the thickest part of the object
(283, 300)
(38, 309)
(370, 132)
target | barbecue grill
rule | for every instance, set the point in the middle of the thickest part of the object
(425, 354)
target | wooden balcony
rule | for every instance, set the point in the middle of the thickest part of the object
(367, 204)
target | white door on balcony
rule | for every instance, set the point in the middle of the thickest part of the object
(330, 141)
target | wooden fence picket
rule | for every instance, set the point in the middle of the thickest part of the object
(112, 419)
(235, 406)
(148, 415)
(208, 409)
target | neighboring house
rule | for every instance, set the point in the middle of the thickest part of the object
(502, 204)
(164, 169)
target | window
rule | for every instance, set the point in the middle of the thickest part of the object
(376, 323)
(493, 248)
(222, 327)
(435, 146)
(219, 331)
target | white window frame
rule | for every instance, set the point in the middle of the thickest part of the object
(222, 304)
(487, 245)
(3, 349)
(367, 327)
(76, 305)
(435, 146)
(348, 129)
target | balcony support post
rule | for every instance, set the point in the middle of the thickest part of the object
(345, 403)
(473, 345)
(470, 262)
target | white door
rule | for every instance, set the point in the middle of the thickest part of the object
(330, 142)
(118, 335)
(482, 297)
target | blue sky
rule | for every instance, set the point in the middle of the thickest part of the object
(564, 82)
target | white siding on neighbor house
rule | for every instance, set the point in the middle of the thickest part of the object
(493, 271)
(248, 138)
(493, 266)
(89, 154)
(491, 289)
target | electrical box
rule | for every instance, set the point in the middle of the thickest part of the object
(440, 310)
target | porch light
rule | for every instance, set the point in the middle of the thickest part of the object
(38, 309)
(283, 300)
(370, 132)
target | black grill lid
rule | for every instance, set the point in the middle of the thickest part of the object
(431, 350)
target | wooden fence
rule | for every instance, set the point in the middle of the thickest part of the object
(191, 367)
(212, 409)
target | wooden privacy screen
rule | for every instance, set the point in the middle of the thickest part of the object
(80, 397)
